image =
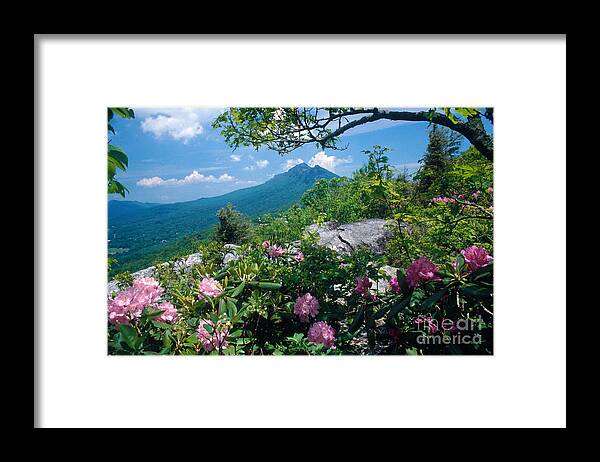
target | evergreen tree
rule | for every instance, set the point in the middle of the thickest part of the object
(233, 227)
(442, 146)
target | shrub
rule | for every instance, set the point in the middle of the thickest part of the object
(233, 227)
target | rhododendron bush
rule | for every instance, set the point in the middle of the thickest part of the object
(260, 305)
(430, 292)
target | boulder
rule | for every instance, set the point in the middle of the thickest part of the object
(230, 253)
(189, 261)
(184, 264)
(345, 238)
(383, 283)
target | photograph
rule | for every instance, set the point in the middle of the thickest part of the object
(269, 231)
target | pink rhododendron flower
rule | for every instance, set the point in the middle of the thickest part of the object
(476, 257)
(433, 328)
(129, 303)
(217, 339)
(395, 285)
(169, 312)
(299, 256)
(147, 291)
(444, 200)
(476, 194)
(210, 288)
(124, 307)
(363, 286)
(146, 283)
(453, 328)
(306, 306)
(490, 189)
(394, 332)
(420, 271)
(266, 244)
(275, 251)
(321, 332)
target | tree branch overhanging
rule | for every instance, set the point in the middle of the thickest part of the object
(476, 136)
(287, 129)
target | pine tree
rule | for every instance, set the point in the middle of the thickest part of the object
(442, 147)
(233, 227)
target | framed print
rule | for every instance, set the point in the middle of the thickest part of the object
(289, 231)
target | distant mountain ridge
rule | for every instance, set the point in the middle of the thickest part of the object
(142, 227)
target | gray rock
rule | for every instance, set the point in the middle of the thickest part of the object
(229, 257)
(183, 264)
(231, 253)
(383, 283)
(111, 287)
(189, 261)
(345, 238)
(145, 273)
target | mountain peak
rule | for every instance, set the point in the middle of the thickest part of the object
(304, 168)
(300, 167)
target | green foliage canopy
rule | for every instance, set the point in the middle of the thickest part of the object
(117, 158)
(285, 129)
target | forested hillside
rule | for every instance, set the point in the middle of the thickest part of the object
(139, 233)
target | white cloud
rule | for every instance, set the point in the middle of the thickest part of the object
(154, 181)
(291, 163)
(257, 164)
(181, 124)
(193, 177)
(235, 157)
(327, 162)
(225, 177)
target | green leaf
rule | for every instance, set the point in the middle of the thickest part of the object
(192, 339)
(429, 302)
(123, 112)
(476, 291)
(231, 308)
(130, 335)
(118, 156)
(150, 313)
(466, 112)
(358, 320)
(114, 187)
(238, 290)
(397, 307)
(265, 285)
(481, 273)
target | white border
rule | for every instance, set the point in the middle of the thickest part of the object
(522, 385)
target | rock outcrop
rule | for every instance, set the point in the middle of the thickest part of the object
(184, 264)
(345, 238)
(342, 238)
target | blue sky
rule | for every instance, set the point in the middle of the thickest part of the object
(175, 155)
